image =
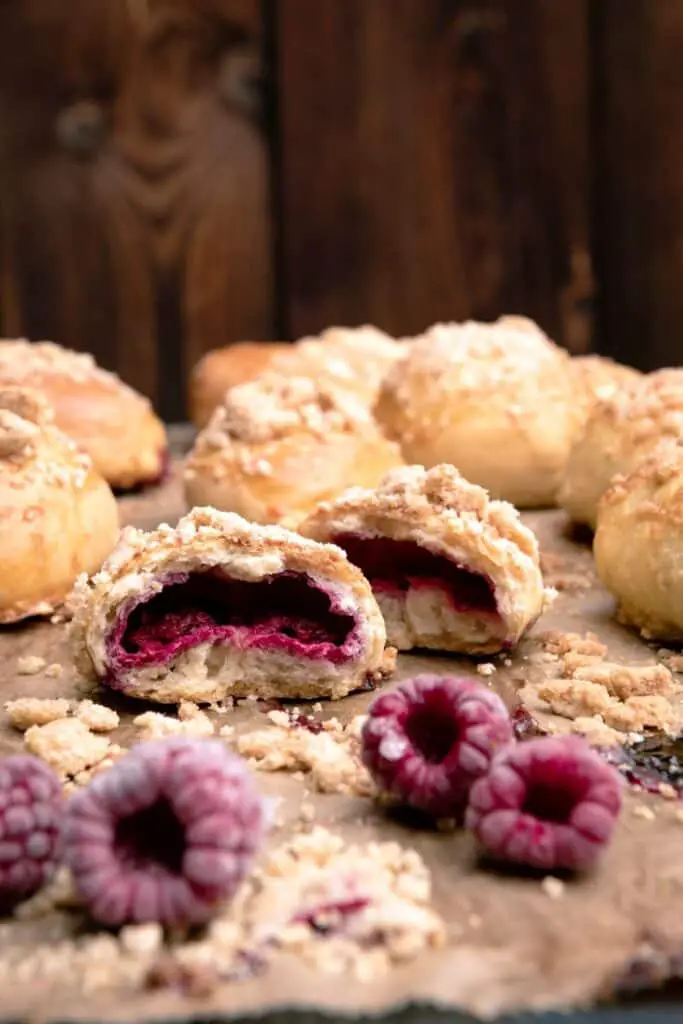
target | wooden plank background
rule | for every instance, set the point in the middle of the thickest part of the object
(177, 174)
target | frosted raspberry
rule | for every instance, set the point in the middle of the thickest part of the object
(30, 814)
(165, 834)
(549, 803)
(427, 741)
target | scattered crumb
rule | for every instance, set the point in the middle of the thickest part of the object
(187, 711)
(624, 681)
(142, 939)
(644, 812)
(487, 669)
(54, 670)
(601, 697)
(642, 712)
(556, 641)
(67, 745)
(667, 791)
(553, 887)
(340, 908)
(28, 711)
(96, 716)
(330, 753)
(507, 662)
(30, 665)
(573, 699)
(598, 734)
(152, 725)
(226, 731)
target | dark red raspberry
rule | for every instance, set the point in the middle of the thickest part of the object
(164, 835)
(428, 741)
(30, 816)
(549, 803)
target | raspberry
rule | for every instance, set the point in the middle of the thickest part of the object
(165, 834)
(549, 803)
(429, 740)
(30, 813)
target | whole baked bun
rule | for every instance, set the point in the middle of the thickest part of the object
(355, 359)
(620, 432)
(497, 401)
(114, 424)
(278, 446)
(638, 544)
(225, 368)
(58, 517)
(221, 607)
(451, 570)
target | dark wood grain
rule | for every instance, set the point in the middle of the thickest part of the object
(638, 141)
(134, 181)
(427, 167)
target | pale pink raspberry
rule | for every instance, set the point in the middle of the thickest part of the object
(427, 741)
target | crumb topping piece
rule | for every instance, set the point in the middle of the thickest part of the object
(275, 406)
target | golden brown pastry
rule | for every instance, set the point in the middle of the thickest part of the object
(220, 607)
(600, 377)
(619, 433)
(114, 424)
(226, 368)
(451, 570)
(353, 358)
(58, 517)
(498, 401)
(638, 543)
(278, 446)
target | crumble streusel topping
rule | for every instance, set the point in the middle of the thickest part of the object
(274, 406)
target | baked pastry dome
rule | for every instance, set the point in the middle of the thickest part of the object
(221, 607)
(58, 517)
(621, 431)
(451, 570)
(353, 358)
(599, 377)
(278, 446)
(114, 424)
(225, 368)
(498, 401)
(638, 543)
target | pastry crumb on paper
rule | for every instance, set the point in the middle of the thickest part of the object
(327, 751)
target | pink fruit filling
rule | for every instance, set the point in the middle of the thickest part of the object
(396, 566)
(286, 612)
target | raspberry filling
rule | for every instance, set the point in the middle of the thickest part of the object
(395, 566)
(287, 612)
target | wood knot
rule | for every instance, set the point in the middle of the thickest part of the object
(81, 128)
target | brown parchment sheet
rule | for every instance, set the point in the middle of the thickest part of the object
(510, 944)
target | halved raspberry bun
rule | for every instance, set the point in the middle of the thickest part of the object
(451, 569)
(221, 607)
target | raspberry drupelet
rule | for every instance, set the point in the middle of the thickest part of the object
(30, 812)
(428, 741)
(164, 835)
(547, 803)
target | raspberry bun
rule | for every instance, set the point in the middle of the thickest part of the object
(451, 570)
(220, 607)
